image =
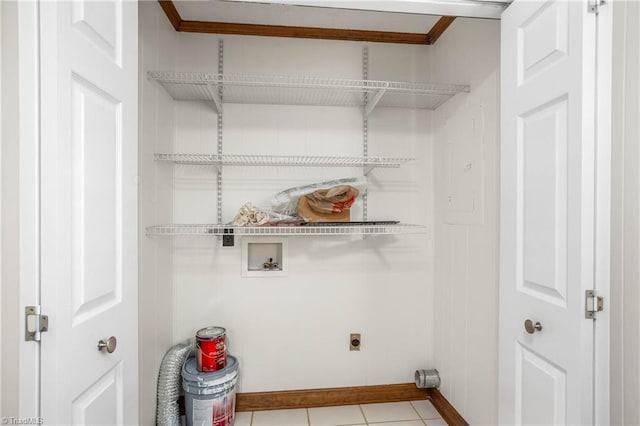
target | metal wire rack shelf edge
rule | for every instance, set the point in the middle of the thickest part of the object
(220, 230)
(297, 90)
(304, 82)
(281, 160)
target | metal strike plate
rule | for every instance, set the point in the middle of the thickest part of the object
(35, 323)
(593, 6)
(592, 304)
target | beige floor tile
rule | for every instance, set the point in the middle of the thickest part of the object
(426, 410)
(336, 416)
(242, 419)
(436, 422)
(295, 417)
(389, 412)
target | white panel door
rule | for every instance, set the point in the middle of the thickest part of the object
(547, 212)
(89, 211)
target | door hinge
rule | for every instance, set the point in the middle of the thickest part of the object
(592, 304)
(593, 6)
(35, 323)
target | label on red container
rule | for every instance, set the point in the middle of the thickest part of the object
(223, 410)
(214, 412)
(211, 355)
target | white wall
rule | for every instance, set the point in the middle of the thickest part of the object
(292, 332)
(157, 51)
(467, 224)
(625, 247)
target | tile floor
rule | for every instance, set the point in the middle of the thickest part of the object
(413, 413)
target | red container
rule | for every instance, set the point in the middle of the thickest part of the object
(211, 349)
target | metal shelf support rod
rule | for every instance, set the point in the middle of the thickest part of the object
(220, 134)
(216, 99)
(365, 124)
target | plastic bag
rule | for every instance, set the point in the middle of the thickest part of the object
(286, 202)
(249, 215)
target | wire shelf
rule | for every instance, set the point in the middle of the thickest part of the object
(327, 230)
(303, 90)
(283, 160)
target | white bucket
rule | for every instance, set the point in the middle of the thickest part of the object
(210, 398)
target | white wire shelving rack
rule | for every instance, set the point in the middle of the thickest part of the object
(368, 163)
(303, 90)
(320, 230)
(220, 88)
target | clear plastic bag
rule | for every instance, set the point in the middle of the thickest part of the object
(286, 202)
(250, 215)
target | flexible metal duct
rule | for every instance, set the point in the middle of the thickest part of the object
(427, 378)
(169, 383)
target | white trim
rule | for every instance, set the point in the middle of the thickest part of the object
(625, 295)
(10, 214)
(603, 213)
(29, 123)
(1, 378)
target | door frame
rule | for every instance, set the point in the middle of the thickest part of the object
(602, 275)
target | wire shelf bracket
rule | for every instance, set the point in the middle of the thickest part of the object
(371, 104)
(217, 103)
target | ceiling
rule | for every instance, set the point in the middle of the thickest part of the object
(460, 8)
(391, 21)
(303, 16)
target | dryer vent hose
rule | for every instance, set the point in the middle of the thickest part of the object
(169, 383)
